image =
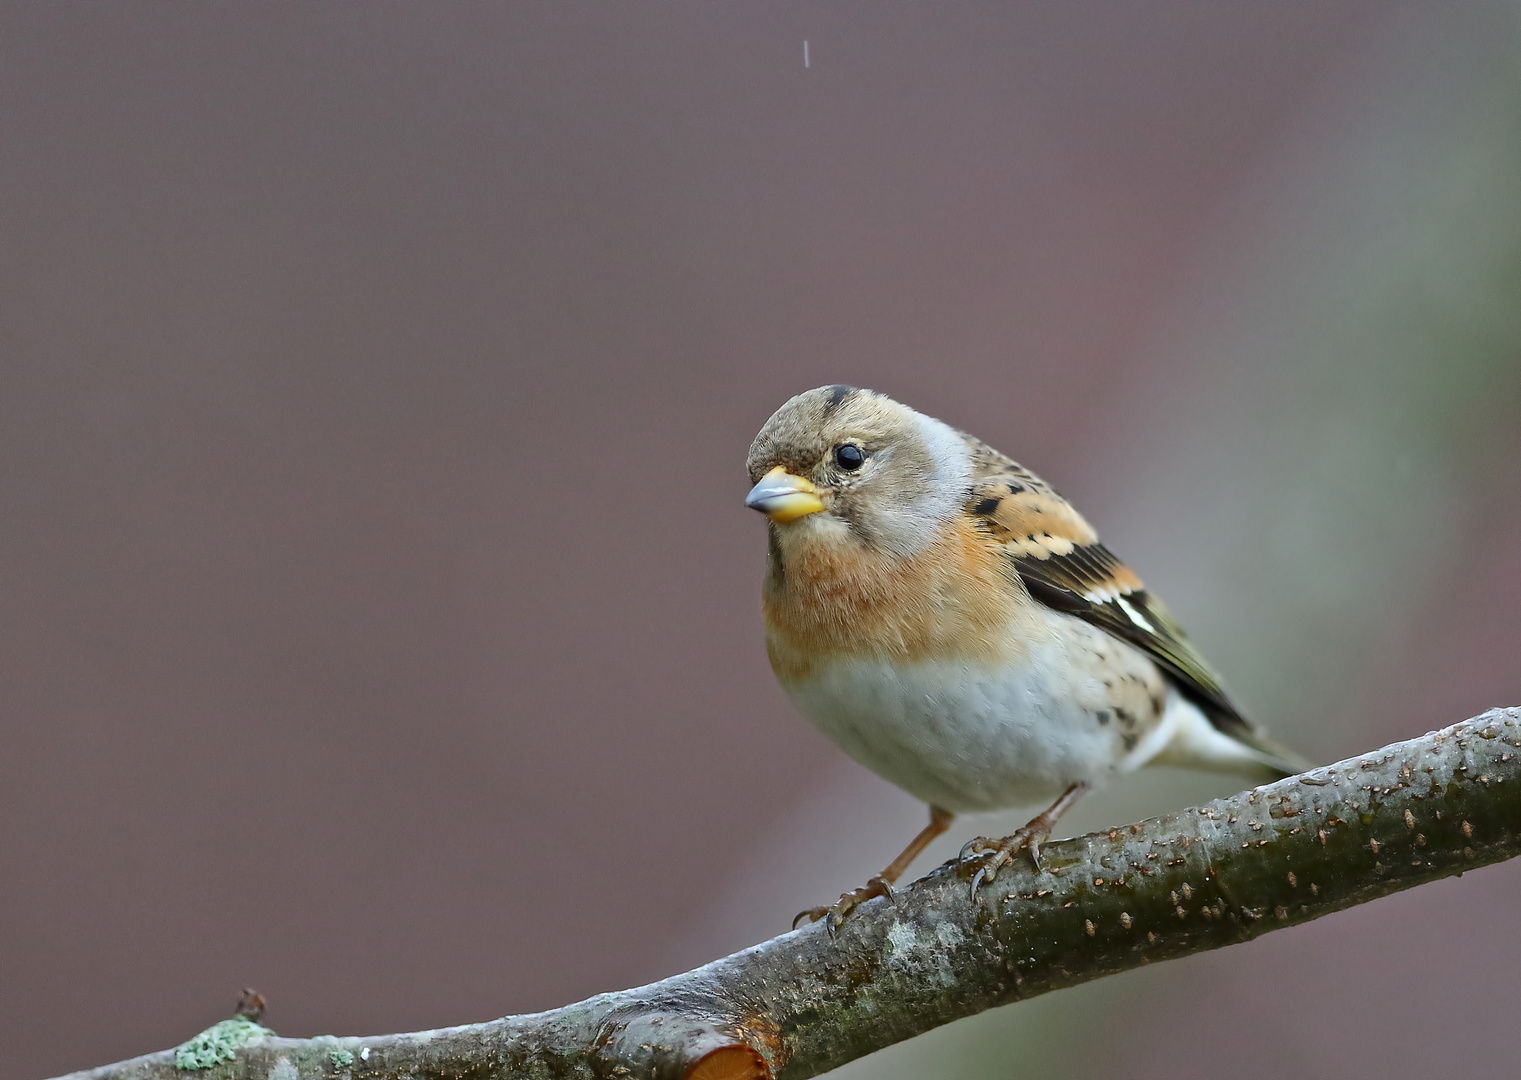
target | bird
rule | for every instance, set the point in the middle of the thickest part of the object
(952, 622)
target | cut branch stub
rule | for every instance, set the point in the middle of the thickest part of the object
(734, 1061)
(671, 1046)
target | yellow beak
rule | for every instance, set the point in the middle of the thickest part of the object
(783, 497)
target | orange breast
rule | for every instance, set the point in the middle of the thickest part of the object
(836, 600)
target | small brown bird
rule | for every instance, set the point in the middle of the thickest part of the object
(949, 620)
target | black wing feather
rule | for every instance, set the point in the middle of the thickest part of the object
(1066, 582)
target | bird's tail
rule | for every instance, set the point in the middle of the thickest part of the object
(1187, 738)
(1274, 759)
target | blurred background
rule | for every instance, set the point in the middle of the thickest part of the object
(379, 612)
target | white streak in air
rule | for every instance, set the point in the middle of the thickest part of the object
(1135, 616)
(805, 52)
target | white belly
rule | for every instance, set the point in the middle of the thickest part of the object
(970, 739)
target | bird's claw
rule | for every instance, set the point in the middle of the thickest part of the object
(998, 852)
(835, 914)
(813, 914)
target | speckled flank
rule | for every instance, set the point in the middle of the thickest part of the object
(1073, 705)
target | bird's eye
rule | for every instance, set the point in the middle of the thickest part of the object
(849, 457)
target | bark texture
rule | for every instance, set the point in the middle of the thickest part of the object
(803, 1003)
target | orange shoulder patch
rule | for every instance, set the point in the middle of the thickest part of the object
(1029, 523)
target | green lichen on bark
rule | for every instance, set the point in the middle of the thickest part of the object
(218, 1043)
(807, 1002)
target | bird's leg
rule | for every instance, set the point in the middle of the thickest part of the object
(882, 884)
(1027, 837)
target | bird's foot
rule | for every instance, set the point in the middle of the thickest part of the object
(836, 912)
(993, 854)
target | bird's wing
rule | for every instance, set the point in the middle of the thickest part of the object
(1058, 557)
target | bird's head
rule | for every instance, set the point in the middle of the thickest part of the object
(843, 465)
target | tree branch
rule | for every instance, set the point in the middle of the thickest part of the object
(804, 1002)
